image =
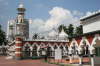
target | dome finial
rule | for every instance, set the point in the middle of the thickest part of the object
(62, 34)
(21, 4)
(62, 29)
(21, 7)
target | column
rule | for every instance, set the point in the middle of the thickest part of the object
(92, 54)
(70, 55)
(18, 48)
(80, 60)
(70, 60)
(92, 61)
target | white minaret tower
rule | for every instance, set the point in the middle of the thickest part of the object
(22, 24)
(21, 11)
(10, 30)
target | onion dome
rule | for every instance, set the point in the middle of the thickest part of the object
(63, 35)
(11, 22)
(53, 35)
(21, 6)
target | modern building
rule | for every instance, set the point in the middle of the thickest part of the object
(91, 28)
(91, 23)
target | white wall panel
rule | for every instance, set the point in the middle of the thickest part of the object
(91, 27)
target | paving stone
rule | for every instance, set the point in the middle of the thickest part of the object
(5, 62)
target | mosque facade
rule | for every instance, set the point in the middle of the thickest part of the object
(80, 46)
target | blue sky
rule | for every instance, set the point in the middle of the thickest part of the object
(38, 10)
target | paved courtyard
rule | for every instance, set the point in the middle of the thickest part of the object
(5, 62)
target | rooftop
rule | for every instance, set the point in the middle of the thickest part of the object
(90, 16)
(86, 34)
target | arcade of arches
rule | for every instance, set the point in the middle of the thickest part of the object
(40, 48)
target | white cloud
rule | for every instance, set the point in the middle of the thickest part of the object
(78, 13)
(58, 15)
(89, 13)
(36, 24)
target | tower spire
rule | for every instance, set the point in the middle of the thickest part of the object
(21, 12)
(62, 29)
(21, 4)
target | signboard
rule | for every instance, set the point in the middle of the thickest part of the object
(58, 53)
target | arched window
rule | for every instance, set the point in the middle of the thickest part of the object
(55, 47)
(74, 49)
(49, 52)
(85, 49)
(26, 51)
(34, 50)
(62, 50)
(66, 47)
(66, 50)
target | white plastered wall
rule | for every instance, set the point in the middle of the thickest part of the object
(91, 27)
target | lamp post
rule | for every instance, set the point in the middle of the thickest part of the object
(92, 53)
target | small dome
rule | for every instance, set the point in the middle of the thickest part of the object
(62, 35)
(11, 22)
(53, 33)
(21, 6)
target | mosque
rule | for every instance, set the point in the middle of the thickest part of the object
(86, 45)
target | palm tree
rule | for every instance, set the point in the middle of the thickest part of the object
(79, 30)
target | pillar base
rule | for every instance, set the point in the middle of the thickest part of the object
(80, 60)
(92, 61)
(18, 58)
(70, 60)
